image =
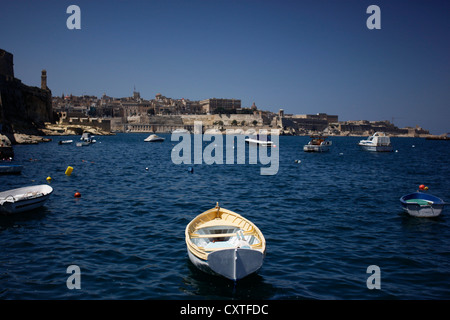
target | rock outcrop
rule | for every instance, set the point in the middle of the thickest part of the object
(23, 109)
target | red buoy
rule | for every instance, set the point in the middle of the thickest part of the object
(77, 194)
(422, 187)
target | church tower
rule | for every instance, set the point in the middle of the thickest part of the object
(44, 80)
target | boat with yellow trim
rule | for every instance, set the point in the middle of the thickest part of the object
(222, 242)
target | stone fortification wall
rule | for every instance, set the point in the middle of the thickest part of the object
(170, 123)
(226, 119)
(102, 124)
(23, 109)
(6, 64)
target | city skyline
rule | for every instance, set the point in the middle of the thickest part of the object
(304, 57)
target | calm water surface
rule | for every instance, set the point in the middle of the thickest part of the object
(325, 220)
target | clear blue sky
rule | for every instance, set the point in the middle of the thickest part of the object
(302, 56)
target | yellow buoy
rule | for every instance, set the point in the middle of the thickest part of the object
(49, 179)
(69, 171)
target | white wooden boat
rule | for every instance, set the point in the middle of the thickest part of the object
(24, 199)
(7, 168)
(222, 242)
(318, 143)
(154, 138)
(379, 142)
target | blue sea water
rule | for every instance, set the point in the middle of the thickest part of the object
(326, 219)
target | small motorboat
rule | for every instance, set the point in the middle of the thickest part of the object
(318, 143)
(83, 144)
(24, 199)
(65, 142)
(87, 137)
(7, 168)
(377, 142)
(222, 242)
(154, 138)
(421, 204)
(180, 131)
(258, 141)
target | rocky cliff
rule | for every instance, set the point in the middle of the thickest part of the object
(23, 109)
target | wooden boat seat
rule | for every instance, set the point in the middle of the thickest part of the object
(215, 246)
(213, 235)
(247, 228)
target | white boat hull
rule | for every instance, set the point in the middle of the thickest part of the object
(313, 148)
(83, 144)
(233, 264)
(24, 199)
(259, 142)
(153, 138)
(424, 211)
(376, 148)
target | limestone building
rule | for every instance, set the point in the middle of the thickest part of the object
(214, 105)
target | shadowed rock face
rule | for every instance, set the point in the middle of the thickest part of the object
(23, 109)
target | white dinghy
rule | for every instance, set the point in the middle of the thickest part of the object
(24, 199)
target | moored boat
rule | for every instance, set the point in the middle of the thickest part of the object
(83, 144)
(421, 204)
(87, 137)
(7, 168)
(65, 142)
(180, 131)
(318, 143)
(222, 242)
(378, 142)
(24, 199)
(259, 141)
(154, 138)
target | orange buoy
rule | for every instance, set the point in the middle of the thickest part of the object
(77, 195)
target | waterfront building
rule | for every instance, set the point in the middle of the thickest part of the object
(215, 106)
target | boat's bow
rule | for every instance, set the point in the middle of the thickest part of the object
(236, 263)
